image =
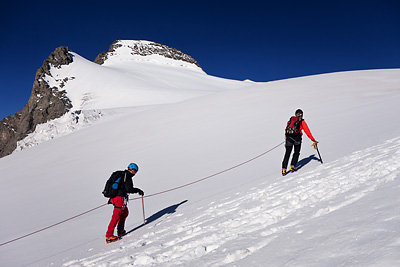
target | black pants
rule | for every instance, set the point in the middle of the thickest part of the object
(289, 146)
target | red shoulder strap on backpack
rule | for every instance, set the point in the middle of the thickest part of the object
(292, 121)
(293, 125)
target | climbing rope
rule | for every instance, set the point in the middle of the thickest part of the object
(210, 176)
(151, 195)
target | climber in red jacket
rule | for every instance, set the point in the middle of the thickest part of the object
(293, 134)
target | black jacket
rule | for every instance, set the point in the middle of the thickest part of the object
(126, 185)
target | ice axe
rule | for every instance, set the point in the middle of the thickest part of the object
(316, 147)
(144, 217)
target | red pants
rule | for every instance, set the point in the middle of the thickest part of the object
(119, 215)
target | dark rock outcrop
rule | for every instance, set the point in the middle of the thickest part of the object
(145, 49)
(45, 103)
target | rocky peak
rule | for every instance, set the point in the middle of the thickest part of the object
(50, 102)
(145, 48)
(45, 103)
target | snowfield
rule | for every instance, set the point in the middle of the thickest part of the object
(210, 168)
(269, 217)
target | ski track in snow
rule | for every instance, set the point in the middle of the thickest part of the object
(270, 210)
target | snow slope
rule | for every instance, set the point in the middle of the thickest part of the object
(126, 80)
(340, 213)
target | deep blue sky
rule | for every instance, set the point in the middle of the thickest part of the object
(257, 40)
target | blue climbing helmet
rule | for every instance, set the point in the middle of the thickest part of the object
(133, 166)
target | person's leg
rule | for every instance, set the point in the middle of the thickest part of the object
(287, 156)
(121, 223)
(296, 154)
(116, 216)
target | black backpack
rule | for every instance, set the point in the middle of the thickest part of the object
(114, 183)
(293, 126)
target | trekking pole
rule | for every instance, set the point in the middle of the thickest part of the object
(144, 217)
(318, 153)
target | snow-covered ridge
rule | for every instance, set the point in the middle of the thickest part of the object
(136, 73)
(127, 83)
(132, 50)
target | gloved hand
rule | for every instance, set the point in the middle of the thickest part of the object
(315, 145)
(140, 192)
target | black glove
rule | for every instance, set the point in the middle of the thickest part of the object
(140, 192)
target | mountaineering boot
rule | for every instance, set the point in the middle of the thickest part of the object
(121, 233)
(112, 239)
(293, 168)
(284, 172)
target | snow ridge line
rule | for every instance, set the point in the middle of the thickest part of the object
(151, 195)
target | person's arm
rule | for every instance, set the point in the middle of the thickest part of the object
(130, 189)
(304, 126)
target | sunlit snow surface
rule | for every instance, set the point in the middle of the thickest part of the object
(344, 212)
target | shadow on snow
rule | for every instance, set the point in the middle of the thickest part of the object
(307, 160)
(158, 215)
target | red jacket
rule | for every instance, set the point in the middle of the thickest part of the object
(304, 126)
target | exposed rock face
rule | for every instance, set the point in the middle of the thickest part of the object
(50, 102)
(45, 103)
(144, 48)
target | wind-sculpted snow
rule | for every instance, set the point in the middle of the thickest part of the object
(225, 232)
